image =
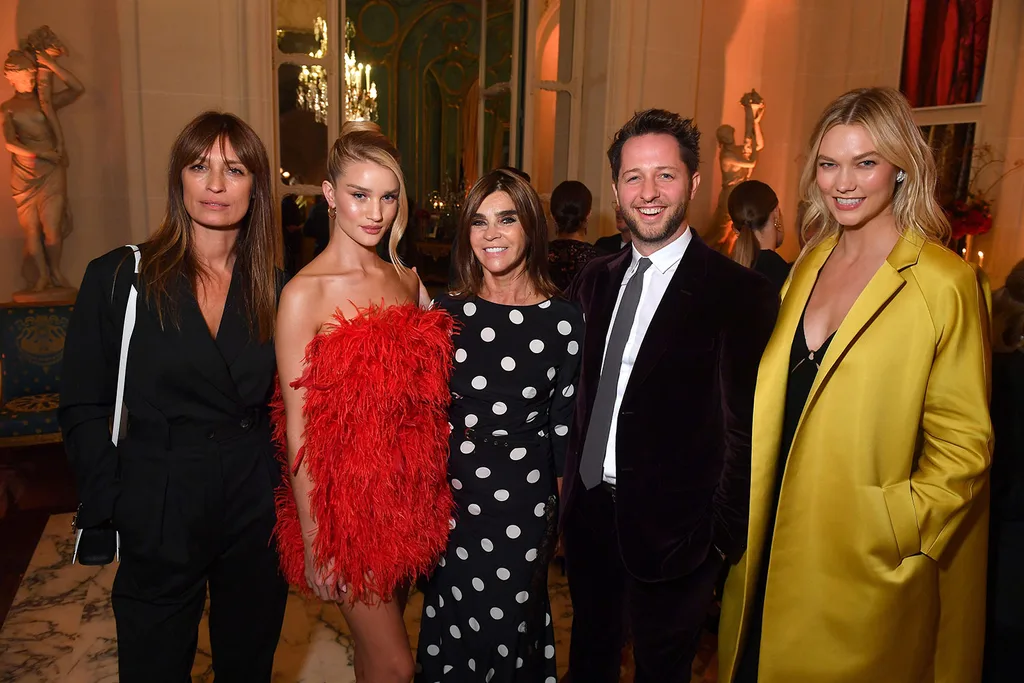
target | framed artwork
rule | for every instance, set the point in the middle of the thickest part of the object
(945, 51)
(953, 145)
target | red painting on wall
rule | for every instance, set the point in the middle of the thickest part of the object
(945, 49)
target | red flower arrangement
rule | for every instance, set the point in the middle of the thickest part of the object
(973, 216)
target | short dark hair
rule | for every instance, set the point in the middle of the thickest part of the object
(651, 121)
(469, 274)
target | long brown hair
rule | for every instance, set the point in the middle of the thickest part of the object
(364, 141)
(469, 274)
(886, 115)
(750, 206)
(170, 254)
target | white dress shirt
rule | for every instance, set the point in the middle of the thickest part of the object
(663, 266)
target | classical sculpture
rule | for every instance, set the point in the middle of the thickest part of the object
(34, 138)
(737, 163)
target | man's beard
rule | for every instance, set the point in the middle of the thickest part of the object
(672, 224)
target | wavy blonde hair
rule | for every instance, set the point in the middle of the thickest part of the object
(888, 119)
(364, 141)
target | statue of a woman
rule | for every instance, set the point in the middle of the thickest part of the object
(38, 156)
(737, 164)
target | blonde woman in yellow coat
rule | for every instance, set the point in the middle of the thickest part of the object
(871, 441)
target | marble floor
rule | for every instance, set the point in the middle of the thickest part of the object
(61, 628)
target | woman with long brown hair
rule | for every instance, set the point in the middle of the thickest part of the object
(517, 350)
(362, 423)
(757, 222)
(865, 555)
(190, 487)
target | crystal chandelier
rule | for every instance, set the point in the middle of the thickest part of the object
(312, 91)
(360, 90)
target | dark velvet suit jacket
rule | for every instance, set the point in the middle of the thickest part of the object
(683, 436)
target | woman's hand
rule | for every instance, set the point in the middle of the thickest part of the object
(323, 580)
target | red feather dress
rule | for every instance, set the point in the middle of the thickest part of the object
(375, 449)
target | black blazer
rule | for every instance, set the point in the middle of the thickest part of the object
(610, 244)
(683, 436)
(179, 380)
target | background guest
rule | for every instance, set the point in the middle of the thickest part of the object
(569, 252)
(611, 244)
(757, 220)
(1005, 630)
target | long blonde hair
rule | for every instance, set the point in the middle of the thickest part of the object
(886, 115)
(364, 141)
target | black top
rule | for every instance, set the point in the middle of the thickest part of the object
(1008, 426)
(773, 267)
(803, 369)
(566, 258)
(178, 376)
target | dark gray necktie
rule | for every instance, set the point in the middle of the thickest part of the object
(596, 445)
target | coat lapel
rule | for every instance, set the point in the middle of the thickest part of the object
(201, 348)
(233, 334)
(599, 315)
(880, 290)
(770, 403)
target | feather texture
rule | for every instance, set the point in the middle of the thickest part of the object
(375, 449)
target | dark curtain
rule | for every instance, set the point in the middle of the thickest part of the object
(944, 52)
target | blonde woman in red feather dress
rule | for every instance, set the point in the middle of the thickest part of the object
(362, 412)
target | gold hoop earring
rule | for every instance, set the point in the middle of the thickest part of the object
(332, 212)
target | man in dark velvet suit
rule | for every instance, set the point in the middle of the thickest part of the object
(657, 477)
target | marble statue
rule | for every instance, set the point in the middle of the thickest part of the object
(35, 139)
(737, 163)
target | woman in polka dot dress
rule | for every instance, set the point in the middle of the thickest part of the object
(486, 615)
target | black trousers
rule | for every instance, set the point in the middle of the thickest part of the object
(1004, 633)
(192, 516)
(665, 618)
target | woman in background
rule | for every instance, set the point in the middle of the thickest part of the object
(486, 615)
(757, 221)
(569, 251)
(1004, 633)
(868, 518)
(364, 387)
(190, 487)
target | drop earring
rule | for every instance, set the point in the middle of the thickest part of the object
(332, 212)
(901, 176)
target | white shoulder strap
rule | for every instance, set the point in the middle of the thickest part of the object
(122, 365)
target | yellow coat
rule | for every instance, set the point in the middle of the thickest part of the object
(877, 569)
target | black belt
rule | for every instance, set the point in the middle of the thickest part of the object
(193, 434)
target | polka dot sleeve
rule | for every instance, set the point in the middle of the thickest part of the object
(563, 402)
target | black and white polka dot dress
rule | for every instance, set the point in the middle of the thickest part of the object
(486, 616)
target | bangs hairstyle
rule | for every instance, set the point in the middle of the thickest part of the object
(363, 141)
(170, 254)
(888, 119)
(469, 274)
